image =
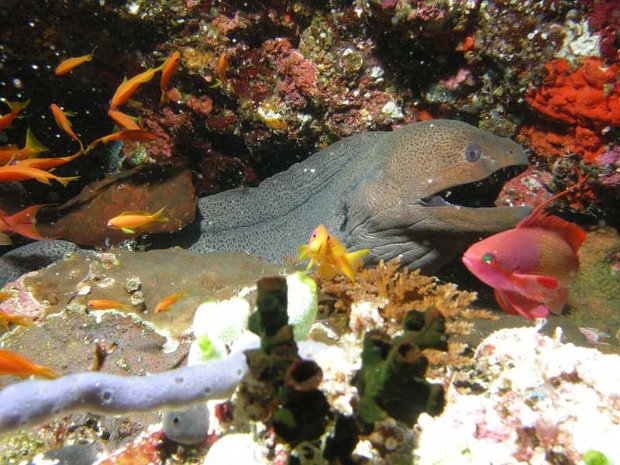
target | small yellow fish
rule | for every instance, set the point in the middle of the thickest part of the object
(169, 301)
(128, 222)
(14, 364)
(330, 255)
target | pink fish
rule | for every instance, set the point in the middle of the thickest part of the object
(531, 266)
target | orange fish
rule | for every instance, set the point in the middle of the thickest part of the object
(130, 134)
(104, 304)
(169, 301)
(168, 69)
(63, 123)
(14, 364)
(15, 109)
(23, 173)
(31, 148)
(67, 65)
(531, 266)
(23, 223)
(128, 87)
(47, 163)
(123, 120)
(7, 318)
(222, 64)
(330, 255)
(128, 222)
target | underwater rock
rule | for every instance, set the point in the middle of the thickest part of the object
(187, 426)
(76, 454)
(539, 401)
(83, 219)
(594, 297)
(106, 275)
(236, 449)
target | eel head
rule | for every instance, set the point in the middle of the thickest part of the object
(434, 194)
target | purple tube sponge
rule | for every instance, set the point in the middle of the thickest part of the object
(29, 402)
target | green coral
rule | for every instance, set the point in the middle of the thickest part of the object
(391, 381)
(594, 457)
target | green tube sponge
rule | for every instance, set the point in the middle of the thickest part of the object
(391, 381)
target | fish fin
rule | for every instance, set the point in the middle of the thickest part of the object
(516, 304)
(302, 252)
(504, 303)
(17, 106)
(163, 100)
(46, 372)
(570, 232)
(356, 259)
(66, 180)
(159, 215)
(128, 231)
(327, 271)
(535, 287)
(32, 143)
(557, 305)
(345, 268)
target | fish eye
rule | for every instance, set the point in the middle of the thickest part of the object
(488, 258)
(473, 152)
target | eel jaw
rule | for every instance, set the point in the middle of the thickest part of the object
(473, 195)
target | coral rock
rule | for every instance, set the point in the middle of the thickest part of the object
(588, 96)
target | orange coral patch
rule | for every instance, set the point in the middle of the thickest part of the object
(581, 141)
(588, 96)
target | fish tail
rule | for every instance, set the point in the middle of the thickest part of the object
(164, 98)
(356, 259)
(33, 145)
(66, 180)
(17, 107)
(159, 215)
(46, 372)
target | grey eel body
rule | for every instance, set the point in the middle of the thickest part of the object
(386, 191)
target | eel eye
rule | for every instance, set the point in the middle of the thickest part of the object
(488, 258)
(473, 153)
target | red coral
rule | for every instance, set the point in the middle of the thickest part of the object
(588, 96)
(551, 143)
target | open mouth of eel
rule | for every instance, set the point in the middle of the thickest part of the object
(478, 194)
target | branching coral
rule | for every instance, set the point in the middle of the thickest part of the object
(399, 290)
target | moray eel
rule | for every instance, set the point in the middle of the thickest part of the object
(386, 191)
(401, 194)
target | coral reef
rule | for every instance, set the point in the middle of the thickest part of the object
(537, 401)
